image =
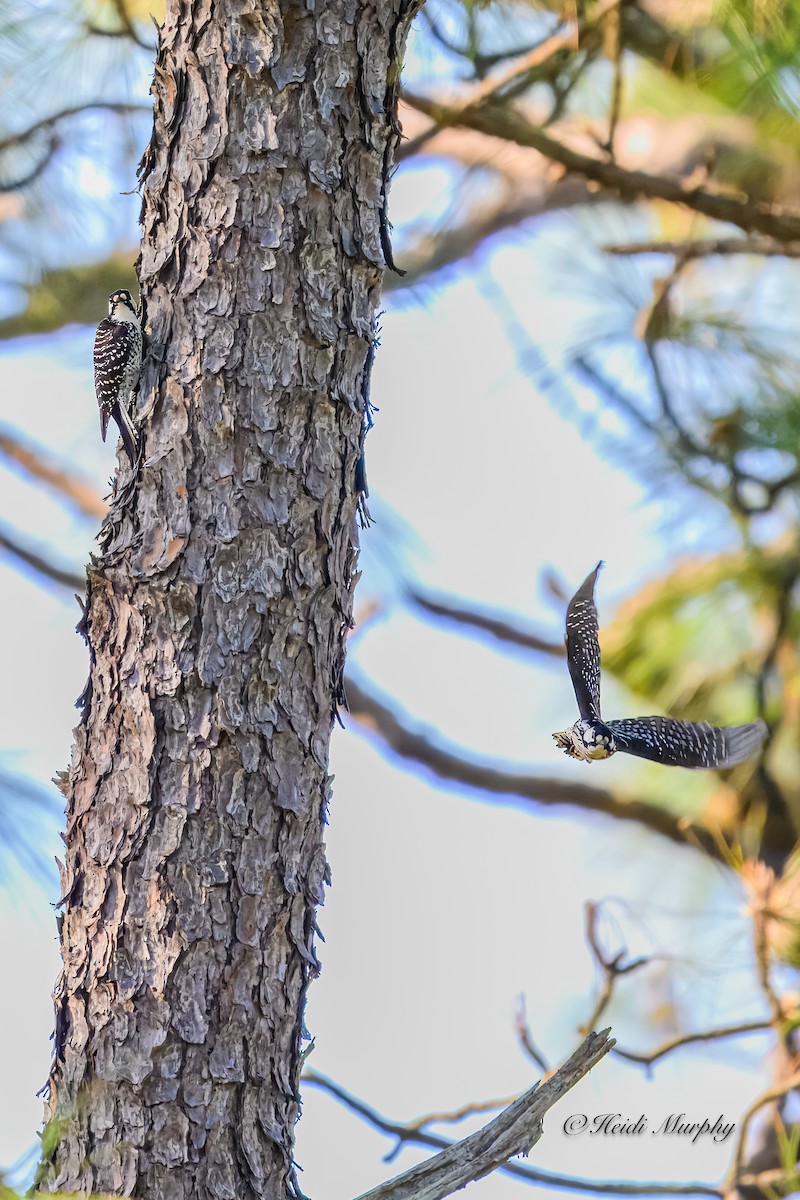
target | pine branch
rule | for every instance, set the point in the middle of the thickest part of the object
(412, 744)
(24, 135)
(41, 566)
(710, 247)
(502, 121)
(504, 631)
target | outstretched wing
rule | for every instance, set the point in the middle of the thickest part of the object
(686, 743)
(583, 647)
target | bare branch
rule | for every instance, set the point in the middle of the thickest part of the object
(414, 745)
(644, 35)
(676, 53)
(612, 968)
(128, 26)
(514, 1131)
(501, 121)
(413, 145)
(48, 570)
(767, 1097)
(439, 249)
(412, 1135)
(22, 181)
(680, 463)
(683, 437)
(759, 880)
(683, 449)
(525, 1037)
(525, 68)
(525, 194)
(523, 198)
(530, 186)
(36, 462)
(24, 135)
(614, 39)
(504, 631)
(687, 1039)
(708, 247)
(532, 61)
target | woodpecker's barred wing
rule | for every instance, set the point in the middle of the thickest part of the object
(115, 344)
(583, 648)
(686, 743)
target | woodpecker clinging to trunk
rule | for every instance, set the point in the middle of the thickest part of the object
(661, 739)
(117, 363)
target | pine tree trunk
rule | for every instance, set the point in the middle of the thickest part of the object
(217, 614)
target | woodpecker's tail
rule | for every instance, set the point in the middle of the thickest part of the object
(130, 434)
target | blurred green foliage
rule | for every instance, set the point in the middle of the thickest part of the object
(71, 294)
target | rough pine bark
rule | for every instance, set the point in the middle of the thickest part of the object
(217, 613)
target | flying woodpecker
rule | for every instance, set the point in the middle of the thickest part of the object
(117, 363)
(661, 739)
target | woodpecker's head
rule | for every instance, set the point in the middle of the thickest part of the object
(121, 306)
(587, 740)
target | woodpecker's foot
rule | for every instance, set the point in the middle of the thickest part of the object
(565, 742)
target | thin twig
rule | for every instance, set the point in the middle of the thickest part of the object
(763, 883)
(524, 68)
(657, 329)
(453, 1116)
(482, 62)
(687, 1039)
(539, 55)
(525, 1037)
(413, 145)
(612, 968)
(679, 462)
(518, 202)
(685, 439)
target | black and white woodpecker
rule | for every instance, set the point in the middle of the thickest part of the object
(117, 363)
(661, 739)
